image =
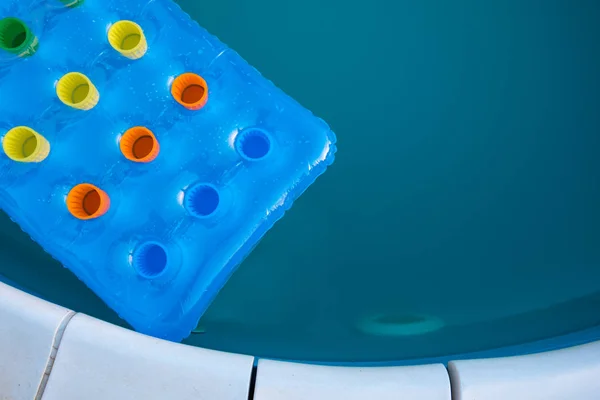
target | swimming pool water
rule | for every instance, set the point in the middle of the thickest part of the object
(466, 188)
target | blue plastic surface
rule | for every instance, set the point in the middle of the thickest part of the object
(246, 156)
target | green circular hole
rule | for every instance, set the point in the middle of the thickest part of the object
(13, 33)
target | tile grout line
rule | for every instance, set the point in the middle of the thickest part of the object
(252, 383)
(454, 380)
(58, 335)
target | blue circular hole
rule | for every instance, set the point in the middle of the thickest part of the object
(202, 200)
(253, 144)
(150, 259)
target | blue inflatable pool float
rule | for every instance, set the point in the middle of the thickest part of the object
(142, 153)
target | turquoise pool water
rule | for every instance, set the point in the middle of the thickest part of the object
(462, 213)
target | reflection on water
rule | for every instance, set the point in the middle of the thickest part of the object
(465, 187)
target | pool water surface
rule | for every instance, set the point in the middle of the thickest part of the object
(462, 212)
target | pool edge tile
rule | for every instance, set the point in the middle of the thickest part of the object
(28, 330)
(97, 360)
(284, 380)
(570, 373)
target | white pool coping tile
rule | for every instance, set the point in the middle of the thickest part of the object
(277, 380)
(568, 374)
(100, 361)
(52, 353)
(28, 327)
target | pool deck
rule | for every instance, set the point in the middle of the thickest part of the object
(49, 352)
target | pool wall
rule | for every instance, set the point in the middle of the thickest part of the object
(50, 352)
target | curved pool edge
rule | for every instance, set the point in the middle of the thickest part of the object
(51, 352)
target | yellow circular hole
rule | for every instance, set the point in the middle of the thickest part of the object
(76, 90)
(128, 38)
(23, 144)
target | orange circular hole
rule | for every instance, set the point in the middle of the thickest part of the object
(86, 201)
(190, 90)
(139, 144)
